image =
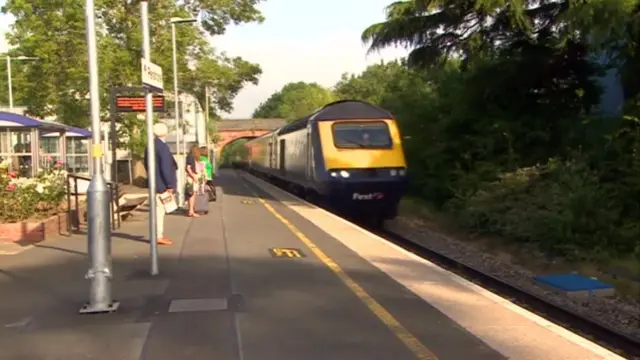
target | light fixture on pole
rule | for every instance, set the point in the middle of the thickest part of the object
(9, 78)
(176, 100)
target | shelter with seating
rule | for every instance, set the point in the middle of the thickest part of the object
(33, 144)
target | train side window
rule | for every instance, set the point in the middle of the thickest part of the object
(364, 135)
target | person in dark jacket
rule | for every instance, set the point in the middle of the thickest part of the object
(166, 181)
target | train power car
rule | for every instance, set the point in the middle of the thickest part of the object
(347, 155)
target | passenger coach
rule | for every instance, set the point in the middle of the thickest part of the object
(347, 155)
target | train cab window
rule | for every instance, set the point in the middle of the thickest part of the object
(365, 135)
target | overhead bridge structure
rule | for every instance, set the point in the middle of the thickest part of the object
(232, 130)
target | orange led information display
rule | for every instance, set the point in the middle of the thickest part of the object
(137, 103)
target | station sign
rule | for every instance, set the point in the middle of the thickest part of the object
(151, 76)
(129, 103)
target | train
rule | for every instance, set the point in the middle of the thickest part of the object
(347, 155)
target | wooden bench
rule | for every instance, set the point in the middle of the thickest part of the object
(126, 204)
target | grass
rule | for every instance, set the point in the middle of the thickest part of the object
(616, 272)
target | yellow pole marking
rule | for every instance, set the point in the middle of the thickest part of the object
(418, 349)
(96, 150)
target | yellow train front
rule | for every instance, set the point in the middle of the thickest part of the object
(347, 155)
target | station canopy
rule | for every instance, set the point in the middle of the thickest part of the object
(12, 120)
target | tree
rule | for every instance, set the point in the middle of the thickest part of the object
(372, 84)
(436, 30)
(224, 77)
(57, 84)
(496, 102)
(233, 152)
(19, 71)
(294, 101)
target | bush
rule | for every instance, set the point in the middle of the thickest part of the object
(562, 207)
(31, 198)
(587, 204)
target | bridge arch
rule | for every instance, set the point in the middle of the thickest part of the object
(232, 130)
(229, 137)
(229, 146)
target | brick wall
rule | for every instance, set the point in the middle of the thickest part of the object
(34, 231)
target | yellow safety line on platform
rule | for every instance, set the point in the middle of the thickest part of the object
(400, 331)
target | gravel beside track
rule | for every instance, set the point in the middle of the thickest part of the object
(620, 314)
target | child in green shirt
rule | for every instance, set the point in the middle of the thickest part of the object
(208, 167)
(208, 171)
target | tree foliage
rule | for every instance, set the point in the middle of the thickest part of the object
(497, 103)
(294, 101)
(502, 127)
(233, 152)
(54, 31)
(435, 30)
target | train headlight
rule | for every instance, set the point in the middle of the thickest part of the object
(344, 174)
(334, 174)
(393, 172)
(403, 172)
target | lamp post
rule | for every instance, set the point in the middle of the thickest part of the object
(174, 21)
(99, 231)
(9, 58)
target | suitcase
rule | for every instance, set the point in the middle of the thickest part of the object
(202, 200)
(211, 190)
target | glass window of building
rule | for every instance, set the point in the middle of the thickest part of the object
(50, 152)
(15, 147)
(77, 155)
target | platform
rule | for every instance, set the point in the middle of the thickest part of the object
(263, 276)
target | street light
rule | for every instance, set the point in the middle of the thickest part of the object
(99, 231)
(174, 21)
(20, 58)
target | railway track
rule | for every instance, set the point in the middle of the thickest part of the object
(591, 329)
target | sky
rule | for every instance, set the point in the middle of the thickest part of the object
(312, 41)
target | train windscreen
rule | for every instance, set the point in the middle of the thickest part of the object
(362, 135)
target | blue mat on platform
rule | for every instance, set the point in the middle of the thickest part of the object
(573, 282)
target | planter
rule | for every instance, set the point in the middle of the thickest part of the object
(34, 231)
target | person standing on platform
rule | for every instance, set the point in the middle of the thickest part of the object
(192, 182)
(166, 179)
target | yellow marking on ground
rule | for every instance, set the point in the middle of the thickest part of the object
(418, 349)
(286, 252)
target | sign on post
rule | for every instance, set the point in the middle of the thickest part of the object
(151, 76)
(132, 103)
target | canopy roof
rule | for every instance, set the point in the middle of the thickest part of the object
(8, 119)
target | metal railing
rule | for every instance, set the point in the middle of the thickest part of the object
(114, 197)
(114, 200)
